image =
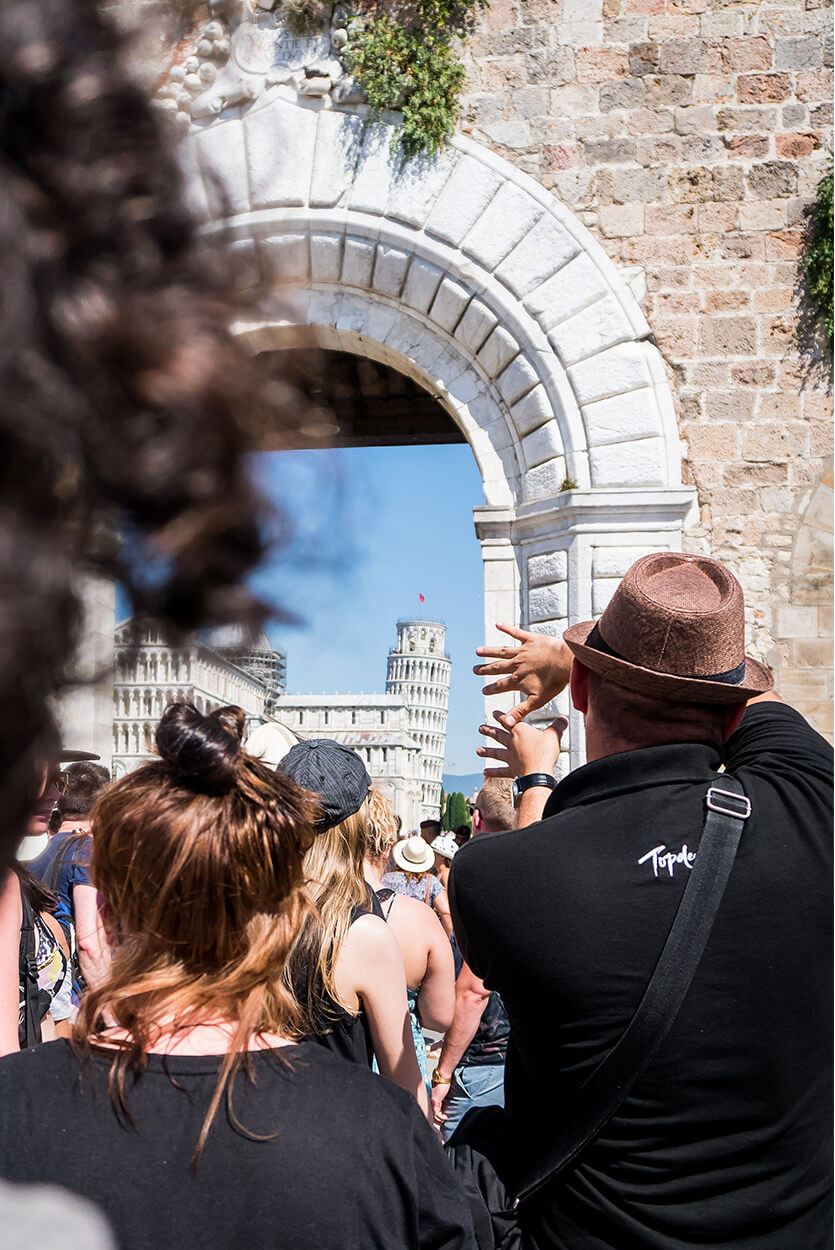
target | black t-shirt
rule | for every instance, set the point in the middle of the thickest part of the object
(489, 1046)
(350, 1162)
(725, 1141)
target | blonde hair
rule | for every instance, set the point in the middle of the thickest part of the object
(381, 826)
(199, 856)
(495, 802)
(335, 883)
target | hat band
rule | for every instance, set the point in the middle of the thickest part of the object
(732, 677)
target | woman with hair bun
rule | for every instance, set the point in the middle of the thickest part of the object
(197, 1117)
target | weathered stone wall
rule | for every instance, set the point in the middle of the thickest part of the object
(690, 135)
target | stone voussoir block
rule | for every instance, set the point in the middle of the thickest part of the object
(506, 219)
(570, 289)
(538, 255)
(422, 282)
(280, 143)
(518, 378)
(498, 351)
(418, 184)
(390, 267)
(614, 372)
(475, 325)
(287, 256)
(543, 481)
(622, 418)
(541, 445)
(601, 325)
(358, 262)
(449, 303)
(325, 257)
(465, 195)
(533, 410)
(338, 144)
(221, 156)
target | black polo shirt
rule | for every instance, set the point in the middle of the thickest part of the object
(725, 1141)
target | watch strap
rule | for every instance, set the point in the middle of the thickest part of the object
(521, 784)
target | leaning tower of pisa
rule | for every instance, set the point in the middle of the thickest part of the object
(418, 673)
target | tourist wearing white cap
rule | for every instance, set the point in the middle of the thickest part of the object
(444, 847)
(413, 861)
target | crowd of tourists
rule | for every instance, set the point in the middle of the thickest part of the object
(229, 1008)
(253, 1005)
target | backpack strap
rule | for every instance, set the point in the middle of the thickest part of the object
(727, 807)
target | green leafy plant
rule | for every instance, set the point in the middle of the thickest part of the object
(818, 257)
(404, 59)
(568, 484)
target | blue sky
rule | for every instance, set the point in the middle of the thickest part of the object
(374, 527)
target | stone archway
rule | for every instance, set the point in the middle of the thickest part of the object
(465, 274)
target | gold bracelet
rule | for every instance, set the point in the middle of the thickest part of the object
(437, 1079)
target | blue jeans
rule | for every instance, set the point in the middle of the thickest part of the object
(476, 1085)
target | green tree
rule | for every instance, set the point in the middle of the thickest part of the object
(456, 811)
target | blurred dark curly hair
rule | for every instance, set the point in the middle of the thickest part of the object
(125, 404)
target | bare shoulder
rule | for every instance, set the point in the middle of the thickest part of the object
(412, 913)
(370, 935)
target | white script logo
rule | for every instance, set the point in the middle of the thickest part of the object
(665, 861)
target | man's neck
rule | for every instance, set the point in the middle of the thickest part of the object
(75, 824)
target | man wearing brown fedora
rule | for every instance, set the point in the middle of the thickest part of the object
(723, 1138)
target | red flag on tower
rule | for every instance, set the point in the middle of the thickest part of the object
(420, 596)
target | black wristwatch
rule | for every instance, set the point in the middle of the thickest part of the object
(521, 784)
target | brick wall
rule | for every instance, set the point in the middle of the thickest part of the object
(690, 135)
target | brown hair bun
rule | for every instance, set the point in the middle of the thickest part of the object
(202, 751)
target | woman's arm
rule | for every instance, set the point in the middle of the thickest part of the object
(93, 948)
(370, 967)
(11, 917)
(436, 996)
(441, 904)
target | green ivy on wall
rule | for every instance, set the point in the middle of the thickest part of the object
(817, 260)
(404, 58)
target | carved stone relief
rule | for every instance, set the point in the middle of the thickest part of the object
(245, 48)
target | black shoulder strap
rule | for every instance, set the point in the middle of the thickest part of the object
(29, 1030)
(728, 807)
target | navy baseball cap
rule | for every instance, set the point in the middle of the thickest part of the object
(333, 772)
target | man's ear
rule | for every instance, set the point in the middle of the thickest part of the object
(733, 715)
(579, 686)
(476, 820)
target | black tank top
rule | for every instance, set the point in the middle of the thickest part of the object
(347, 1035)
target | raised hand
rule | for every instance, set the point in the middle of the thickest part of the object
(540, 668)
(520, 748)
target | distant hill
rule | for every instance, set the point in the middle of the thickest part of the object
(467, 783)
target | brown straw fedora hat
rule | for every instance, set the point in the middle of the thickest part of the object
(675, 629)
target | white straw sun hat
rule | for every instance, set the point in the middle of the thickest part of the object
(413, 855)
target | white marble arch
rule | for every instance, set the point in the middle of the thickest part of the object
(466, 274)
